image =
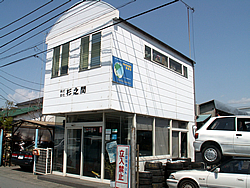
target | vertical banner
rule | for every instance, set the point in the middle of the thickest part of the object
(122, 72)
(122, 166)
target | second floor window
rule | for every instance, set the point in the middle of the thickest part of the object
(90, 58)
(60, 60)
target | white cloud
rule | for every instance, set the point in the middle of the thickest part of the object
(241, 101)
(22, 95)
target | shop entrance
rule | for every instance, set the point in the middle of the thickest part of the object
(84, 151)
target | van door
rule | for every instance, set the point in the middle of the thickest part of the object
(242, 136)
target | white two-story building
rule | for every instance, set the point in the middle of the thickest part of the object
(109, 80)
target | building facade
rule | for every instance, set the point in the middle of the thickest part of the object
(113, 83)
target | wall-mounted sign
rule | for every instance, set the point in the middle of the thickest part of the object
(122, 166)
(122, 72)
(72, 91)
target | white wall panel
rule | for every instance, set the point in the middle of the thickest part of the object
(159, 90)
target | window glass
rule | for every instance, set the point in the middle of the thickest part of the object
(158, 57)
(148, 53)
(96, 50)
(175, 144)
(84, 54)
(144, 135)
(179, 124)
(243, 124)
(175, 66)
(226, 124)
(185, 71)
(65, 59)
(55, 64)
(161, 136)
(117, 131)
(235, 166)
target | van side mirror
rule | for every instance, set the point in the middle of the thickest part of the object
(217, 170)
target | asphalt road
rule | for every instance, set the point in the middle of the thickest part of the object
(14, 177)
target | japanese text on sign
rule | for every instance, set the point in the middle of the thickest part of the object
(122, 166)
(72, 91)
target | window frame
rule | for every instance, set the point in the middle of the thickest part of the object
(182, 70)
(222, 119)
(58, 66)
(90, 52)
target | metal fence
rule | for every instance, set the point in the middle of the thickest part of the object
(43, 161)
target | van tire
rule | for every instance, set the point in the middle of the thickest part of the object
(211, 154)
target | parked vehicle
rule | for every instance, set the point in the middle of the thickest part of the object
(25, 158)
(232, 173)
(223, 136)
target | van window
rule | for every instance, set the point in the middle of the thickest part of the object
(225, 124)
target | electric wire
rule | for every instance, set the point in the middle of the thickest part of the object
(20, 78)
(15, 91)
(24, 50)
(26, 14)
(19, 84)
(46, 29)
(34, 20)
(38, 26)
(58, 35)
(13, 98)
(38, 33)
(118, 22)
(8, 95)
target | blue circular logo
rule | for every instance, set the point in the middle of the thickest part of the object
(118, 69)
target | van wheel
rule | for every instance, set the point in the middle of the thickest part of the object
(211, 155)
(188, 184)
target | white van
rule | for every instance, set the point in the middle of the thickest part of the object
(223, 135)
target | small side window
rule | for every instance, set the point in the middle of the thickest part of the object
(185, 72)
(148, 53)
(235, 166)
(175, 66)
(243, 124)
(225, 124)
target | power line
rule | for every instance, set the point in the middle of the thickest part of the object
(25, 15)
(137, 15)
(34, 20)
(38, 26)
(3, 97)
(7, 95)
(19, 51)
(40, 32)
(15, 91)
(19, 84)
(48, 28)
(21, 78)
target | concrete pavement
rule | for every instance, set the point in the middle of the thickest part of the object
(15, 177)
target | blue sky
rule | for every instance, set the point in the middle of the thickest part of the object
(220, 44)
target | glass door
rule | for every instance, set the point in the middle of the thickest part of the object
(92, 145)
(74, 150)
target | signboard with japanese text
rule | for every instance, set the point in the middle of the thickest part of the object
(122, 166)
(122, 72)
(73, 91)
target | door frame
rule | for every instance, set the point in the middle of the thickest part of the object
(80, 126)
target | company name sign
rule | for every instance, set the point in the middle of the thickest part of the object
(122, 72)
(73, 91)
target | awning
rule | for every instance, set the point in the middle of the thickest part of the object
(202, 118)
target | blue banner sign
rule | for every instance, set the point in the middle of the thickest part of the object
(122, 72)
